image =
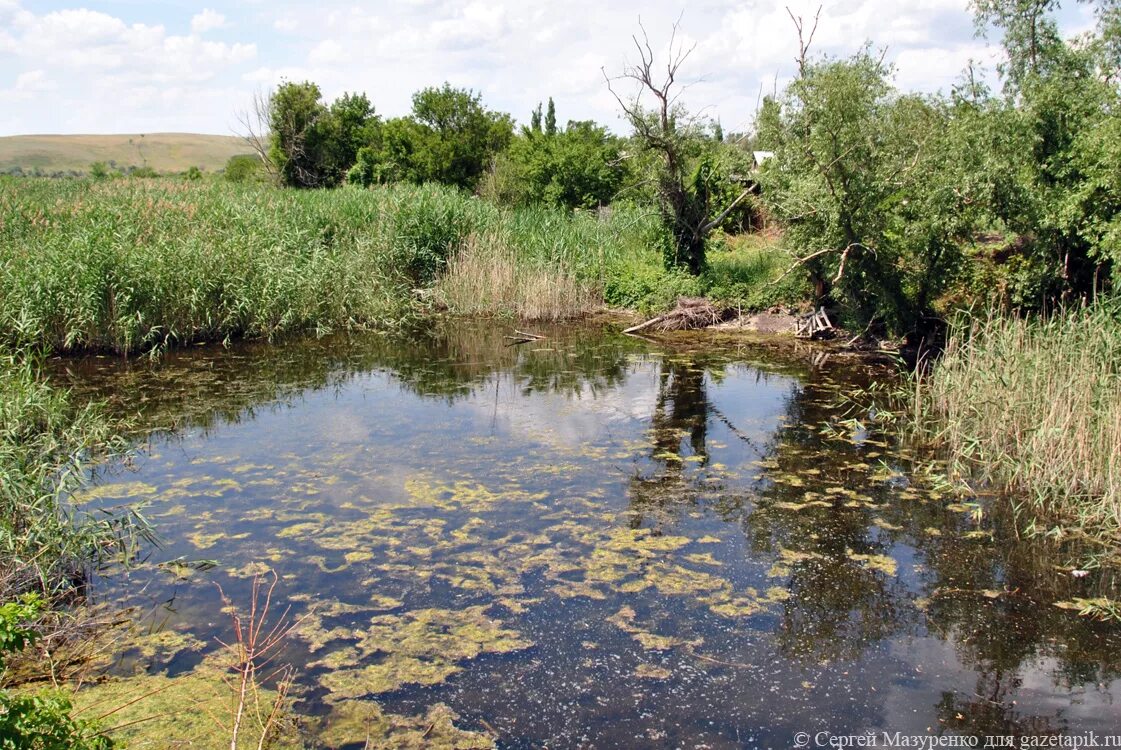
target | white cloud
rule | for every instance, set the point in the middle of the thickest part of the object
(113, 72)
(34, 81)
(207, 20)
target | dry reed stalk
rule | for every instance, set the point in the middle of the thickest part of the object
(256, 645)
(488, 278)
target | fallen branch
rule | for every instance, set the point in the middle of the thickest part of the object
(644, 326)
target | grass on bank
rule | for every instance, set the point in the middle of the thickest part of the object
(47, 544)
(1034, 406)
(132, 265)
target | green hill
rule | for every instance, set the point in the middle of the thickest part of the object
(163, 152)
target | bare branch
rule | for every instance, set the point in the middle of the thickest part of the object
(710, 225)
(254, 129)
(804, 40)
(840, 271)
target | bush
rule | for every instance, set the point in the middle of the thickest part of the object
(42, 720)
(579, 167)
(243, 168)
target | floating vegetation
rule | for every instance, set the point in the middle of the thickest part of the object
(422, 647)
(550, 549)
(1100, 608)
(364, 723)
(879, 563)
(157, 711)
(118, 492)
(652, 672)
(624, 620)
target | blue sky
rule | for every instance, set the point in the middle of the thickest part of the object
(132, 66)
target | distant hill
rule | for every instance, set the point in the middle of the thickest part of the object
(163, 152)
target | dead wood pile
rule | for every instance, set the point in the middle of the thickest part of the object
(690, 313)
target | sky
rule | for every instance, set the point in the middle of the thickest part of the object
(142, 66)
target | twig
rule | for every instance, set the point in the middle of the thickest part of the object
(718, 661)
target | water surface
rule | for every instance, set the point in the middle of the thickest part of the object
(595, 541)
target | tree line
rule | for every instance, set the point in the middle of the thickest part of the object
(890, 199)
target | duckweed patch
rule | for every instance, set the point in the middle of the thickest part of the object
(364, 723)
(422, 647)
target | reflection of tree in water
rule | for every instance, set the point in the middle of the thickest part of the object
(678, 434)
(838, 606)
(681, 411)
(209, 386)
(991, 710)
(1001, 638)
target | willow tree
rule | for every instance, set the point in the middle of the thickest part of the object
(684, 172)
(877, 191)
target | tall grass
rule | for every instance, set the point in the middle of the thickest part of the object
(129, 265)
(1034, 406)
(487, 277)
(46, 543)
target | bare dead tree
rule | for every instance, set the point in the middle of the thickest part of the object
(254, 130)
(665, 129)
(805, 37)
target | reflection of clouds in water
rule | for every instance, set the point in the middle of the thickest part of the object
(1030, 689)
(564, 420)
(749, 398)
(1097, 702)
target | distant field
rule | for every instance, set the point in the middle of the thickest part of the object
(163, 152)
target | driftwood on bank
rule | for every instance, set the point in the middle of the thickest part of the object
(690, 313)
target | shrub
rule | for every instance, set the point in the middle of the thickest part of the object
(41, 720)
(243, 168)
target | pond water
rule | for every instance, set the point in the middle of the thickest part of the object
(592, 541)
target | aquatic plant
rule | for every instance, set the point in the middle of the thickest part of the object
(1034, 406)
(48, 542)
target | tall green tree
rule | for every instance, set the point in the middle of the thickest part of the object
(551, 118)
(296, 137)
(313, 144)
(878, 191)
(1063, 103)
(450, 138)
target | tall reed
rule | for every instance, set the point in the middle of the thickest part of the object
(486, 277)
(46, 542)
(1034, 406)
(131, 265)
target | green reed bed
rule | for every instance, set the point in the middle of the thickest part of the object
(1034, 406)
(46, 543)
(129, 265)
